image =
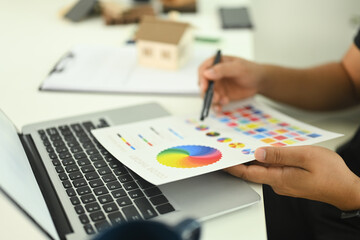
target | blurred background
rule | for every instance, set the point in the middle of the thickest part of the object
(301, 33)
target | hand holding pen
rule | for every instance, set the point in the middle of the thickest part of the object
(232, 78)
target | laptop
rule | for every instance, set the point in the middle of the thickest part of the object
(72, 188)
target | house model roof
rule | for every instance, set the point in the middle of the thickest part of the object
(158, 30)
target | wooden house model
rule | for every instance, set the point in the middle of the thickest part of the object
(163, 43)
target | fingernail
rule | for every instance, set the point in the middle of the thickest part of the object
(210, 73)
(260, 154)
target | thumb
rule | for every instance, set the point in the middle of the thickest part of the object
(285, 156)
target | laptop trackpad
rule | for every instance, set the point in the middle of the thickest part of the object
(209, 195)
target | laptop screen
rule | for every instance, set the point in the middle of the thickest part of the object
(17, 178)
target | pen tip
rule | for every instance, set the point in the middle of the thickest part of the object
(201, 118)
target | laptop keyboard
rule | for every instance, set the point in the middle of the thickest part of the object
(102, 190)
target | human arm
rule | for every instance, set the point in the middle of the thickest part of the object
(309, 172)
(329, 86)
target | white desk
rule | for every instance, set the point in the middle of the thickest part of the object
(32, 38)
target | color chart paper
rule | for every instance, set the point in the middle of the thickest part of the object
(172, 148)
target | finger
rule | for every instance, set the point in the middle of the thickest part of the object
(222, 70)
(256, 173)
(203, 82)
(207, 64)
(284, 156)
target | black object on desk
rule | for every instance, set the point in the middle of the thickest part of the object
(235, 18)
(210, 91)
(81, 10)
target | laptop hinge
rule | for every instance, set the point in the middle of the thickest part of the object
(52, 200)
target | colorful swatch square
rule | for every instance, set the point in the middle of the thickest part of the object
(268, 140)
(278, 144)
(289, 141)
(280, 137)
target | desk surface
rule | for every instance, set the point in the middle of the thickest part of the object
(33, 37)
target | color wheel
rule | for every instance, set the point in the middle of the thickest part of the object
(189, 156)
(224, 140)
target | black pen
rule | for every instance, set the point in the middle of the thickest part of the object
(210, 91)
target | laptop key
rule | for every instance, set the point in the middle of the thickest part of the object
(110, 207)
(58, 143)
(71, 168)
(84, 139)
(79, 182)
(125, 178)
(113, 185)
(59, 169)
(83, 190)
(131, 213)
(145, 208)
(110, 158)
(96, 183)
(100, 164)
(124, 201)
(92, 207)
(105, 199)
(102, 225)
(135, 194)
(87, 169)
(84, 219)
(61, 149)
(109, 177)
(89, 229)
(83, 162)
(88, 126)
(75, 175)
(68, 161)
(119, 193)
(96, 157)
(56, 162)
(104, 171)
(92, 151)
(72, 143)
(49, 149)
(150, 192)
(165, 208)
(130, 186)
(144, 184)
(158, 200)
(97, 216)
(100, 191)
(54, 138)
(87, 198)
(76, 127)
(70, 192)
(52, 131)
(91, 176)
(79, 209)
(88, 145)
(120, 170)
(46, 142)
(67, 184)
(76, 149)
(53, 155)
(79, 155)
(63, 176)
(75, 200)
(116, 218)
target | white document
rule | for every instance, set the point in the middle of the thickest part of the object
(172, 148)
(115, 69)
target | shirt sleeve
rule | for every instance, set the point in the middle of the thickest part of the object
(357, 39)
